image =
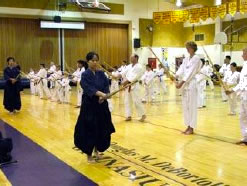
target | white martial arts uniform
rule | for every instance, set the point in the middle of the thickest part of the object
(147, 80)
(161, 80)
(187, 72)
(42, 75)
(77, 79)
(36, 84)
(57, 96)
(114, 82)
(121, 70)
(52, 69)
(231, 79)
(132, 94)
(201, 78)
(50, 72)
(65, 90)
(52, 80)
(31, 77)
(223, 70)
(210, 73)
(241, 90)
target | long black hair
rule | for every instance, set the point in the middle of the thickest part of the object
(83, 63)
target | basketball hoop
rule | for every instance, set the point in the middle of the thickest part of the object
(91, 4)
(220, 38)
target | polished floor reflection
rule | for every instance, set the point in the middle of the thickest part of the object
(151, 153)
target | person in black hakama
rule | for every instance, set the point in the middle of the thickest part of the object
(12, 98)
(94, 125)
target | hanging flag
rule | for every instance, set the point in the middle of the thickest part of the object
(175, 16)
(222, 10)
(243, 6)
(213, 12)
(157, 17)
(194, 15)
(204, 13)
(232, 8)
(184, 15)
(166, 18)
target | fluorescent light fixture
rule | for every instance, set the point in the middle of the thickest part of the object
(63, 25)
(218, 2)
(178, 3)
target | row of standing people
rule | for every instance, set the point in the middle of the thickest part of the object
(230, 76)
(152, 78)
(55, 84)
(153, 81)
(95, 109)
(94, 126)
(236, 85)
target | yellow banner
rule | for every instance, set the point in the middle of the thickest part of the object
(194, 15)
(175, 16)
(232, 8)
(222, 10)
(213, 12)
(243, 7)
(184, 15)
(166, 18)
(179, 16)
(157, 17)
(204, 13)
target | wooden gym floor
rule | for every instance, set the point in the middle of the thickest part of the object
(151, 153)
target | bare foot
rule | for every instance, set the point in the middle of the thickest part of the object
(97, 155)
(128, 119)
(241, 143)
(190, 131)
(90, 159)
(143, 118)
(184, 132)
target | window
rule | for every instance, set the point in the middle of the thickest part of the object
(199, 37)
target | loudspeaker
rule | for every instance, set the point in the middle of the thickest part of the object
(137, 43)
(57, 19)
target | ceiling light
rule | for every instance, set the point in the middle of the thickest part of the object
(178, 3)
(218, 2)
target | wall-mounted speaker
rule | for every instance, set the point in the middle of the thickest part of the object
(137, 43)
